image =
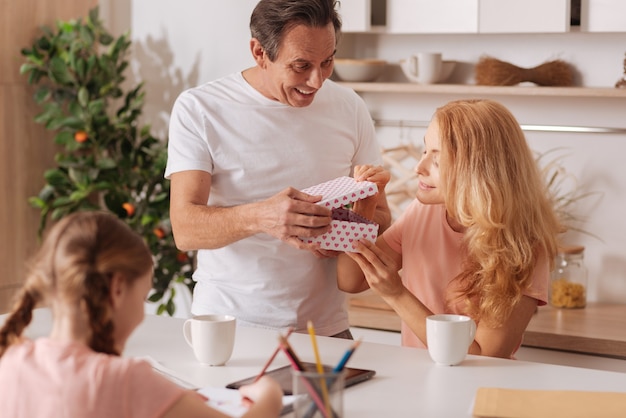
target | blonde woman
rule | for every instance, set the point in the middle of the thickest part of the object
(478, 240)
(94, 273)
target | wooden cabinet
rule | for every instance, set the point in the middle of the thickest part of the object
(26, 149)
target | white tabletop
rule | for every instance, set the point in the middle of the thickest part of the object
(407, 382)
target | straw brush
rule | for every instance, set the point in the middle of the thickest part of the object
(493, 72)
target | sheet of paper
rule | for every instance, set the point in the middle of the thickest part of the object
(169, 374)
(229, 400)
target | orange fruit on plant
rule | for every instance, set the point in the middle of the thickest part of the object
(80, 136)
(159, 232)
(182, 257)
(129, 208)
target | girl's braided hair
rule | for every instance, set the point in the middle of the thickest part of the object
(74, 268)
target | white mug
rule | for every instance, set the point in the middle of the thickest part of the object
(449, 337)
(423, 67)
(212, 337)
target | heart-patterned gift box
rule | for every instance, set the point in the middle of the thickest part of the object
(346, 226)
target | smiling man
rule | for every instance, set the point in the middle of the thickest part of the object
(242, 147)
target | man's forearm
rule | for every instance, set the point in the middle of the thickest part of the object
(197, 227)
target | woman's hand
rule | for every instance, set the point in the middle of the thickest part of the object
(378, 175)
(379, 268)
(264, 397)
(374, 173)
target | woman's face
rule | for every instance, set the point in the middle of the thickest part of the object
(429, 191)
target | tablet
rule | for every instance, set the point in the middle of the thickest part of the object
(283, 377)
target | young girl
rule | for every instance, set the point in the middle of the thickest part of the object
(479, 239)
(94, 273)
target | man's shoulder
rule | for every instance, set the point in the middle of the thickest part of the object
(212, 87)
(336, 88)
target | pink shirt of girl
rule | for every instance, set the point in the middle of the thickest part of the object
(49, 378)
(431, 259)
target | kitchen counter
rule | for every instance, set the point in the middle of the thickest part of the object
(598, 329)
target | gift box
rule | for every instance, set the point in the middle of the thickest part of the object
(346, 226)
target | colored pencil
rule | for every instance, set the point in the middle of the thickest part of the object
(290, 353)
(271, 359)
(344, 360)
(297, 365)
(320, 367)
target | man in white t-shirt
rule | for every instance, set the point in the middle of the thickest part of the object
(240, 150)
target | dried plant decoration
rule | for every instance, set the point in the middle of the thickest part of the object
(564, 190)
(493, 72)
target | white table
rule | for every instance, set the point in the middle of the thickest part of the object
(407, 382)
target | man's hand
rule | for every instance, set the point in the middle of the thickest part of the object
(291, 214)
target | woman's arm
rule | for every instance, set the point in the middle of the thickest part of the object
(266, 396)
(379, 266)
(504, 340)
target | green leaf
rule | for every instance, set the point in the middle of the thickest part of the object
(93, 15)
(64, 138)
(78, 176)
(81, 68)
(83, 96)
(55, 177)
(105, 39)
(59, 72)
(24, 68)
(61, 202)
(96, 106)
(42, 94)
(79, 195)
(155, 297)
(106, 163)
(36, 202)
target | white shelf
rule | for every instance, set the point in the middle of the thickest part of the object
(468, 89)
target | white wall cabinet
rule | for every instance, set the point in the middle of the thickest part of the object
(432, 16)
(459, 16)
(356, 15)
(603, 15)
(528, 16)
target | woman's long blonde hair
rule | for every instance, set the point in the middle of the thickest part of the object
(74, 268)
(493, 187)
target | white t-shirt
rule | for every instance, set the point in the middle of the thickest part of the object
(255, 147)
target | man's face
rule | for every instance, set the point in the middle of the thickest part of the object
(305, 59)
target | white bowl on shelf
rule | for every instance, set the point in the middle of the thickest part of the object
(349, 69)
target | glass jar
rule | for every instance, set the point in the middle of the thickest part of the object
(568, 281)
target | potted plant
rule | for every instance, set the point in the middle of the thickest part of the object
(105, 159)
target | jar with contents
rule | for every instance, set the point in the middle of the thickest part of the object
(568, 282)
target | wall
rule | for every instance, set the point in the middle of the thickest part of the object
(190, 42)
(26, 149)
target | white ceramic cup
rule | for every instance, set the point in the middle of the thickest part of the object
(425, 67)
(212, 337)
(449, 337)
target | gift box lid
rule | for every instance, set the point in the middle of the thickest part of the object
(342, 191)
